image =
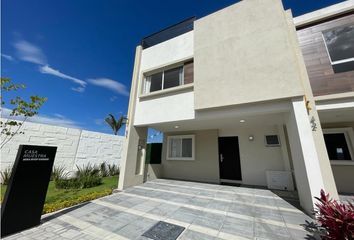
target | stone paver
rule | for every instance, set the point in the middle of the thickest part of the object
(206, 211)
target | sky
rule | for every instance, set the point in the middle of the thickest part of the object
(80, 54)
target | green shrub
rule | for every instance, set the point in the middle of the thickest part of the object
(90, 181)
(85, 177)
(71, 183)
(5, 175)
(87, 170)
(58, 173)
(78, 182)
(52, 207)
(104, 170)
(113, 170)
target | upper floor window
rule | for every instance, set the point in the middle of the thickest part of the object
(340, 46)
(169, 78)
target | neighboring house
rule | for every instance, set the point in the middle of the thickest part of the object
(245, 95)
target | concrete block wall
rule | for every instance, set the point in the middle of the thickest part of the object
(75, 146)
(94, 148)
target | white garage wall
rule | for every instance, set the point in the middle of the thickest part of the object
(75, 146)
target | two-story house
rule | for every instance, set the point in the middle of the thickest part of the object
(248, 95)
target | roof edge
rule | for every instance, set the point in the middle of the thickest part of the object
(324, 13)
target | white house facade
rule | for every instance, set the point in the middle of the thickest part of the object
(233, 94)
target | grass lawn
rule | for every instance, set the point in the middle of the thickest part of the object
(58, 196)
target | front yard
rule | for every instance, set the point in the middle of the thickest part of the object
(61, 198)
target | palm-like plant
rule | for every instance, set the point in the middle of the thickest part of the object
(114, 123)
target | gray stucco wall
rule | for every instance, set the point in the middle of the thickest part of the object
(204, 168)
(255, 157)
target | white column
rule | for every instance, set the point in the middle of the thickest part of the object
(306, 163)
(132, 161)
(284, 148)
(133, 158)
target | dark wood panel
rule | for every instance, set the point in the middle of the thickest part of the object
(188, 72)
(322, 77)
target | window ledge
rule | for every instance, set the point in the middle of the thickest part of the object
(180, 159)
(167, 91)
(342, 162)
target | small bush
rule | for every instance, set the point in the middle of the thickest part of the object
(113, 170)
(87, 170)
(52, 207)
(78, 183)
(86, 177)
(5, 175)
(104, 170)
(90, 181)
(72, 183)
(336, 218)
(58, 173)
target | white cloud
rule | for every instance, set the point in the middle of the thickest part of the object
(63, 122)
(99, 122)
(110, 84)
(58, 115)
(7, 57)
(56, 120)
(30, 53)
(113, 98)
(48, 70)
(78, 89)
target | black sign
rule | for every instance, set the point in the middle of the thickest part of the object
(25, 195)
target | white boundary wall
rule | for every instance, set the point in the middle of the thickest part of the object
(75, 146)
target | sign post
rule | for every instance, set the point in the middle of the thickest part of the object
(25, 194)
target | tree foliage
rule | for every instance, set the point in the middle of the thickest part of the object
(114, 123)
(20, 110)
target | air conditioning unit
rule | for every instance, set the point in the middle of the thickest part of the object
(281, 180)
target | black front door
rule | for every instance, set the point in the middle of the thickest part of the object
(229, 159)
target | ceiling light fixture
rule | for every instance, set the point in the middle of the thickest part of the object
(242, 121)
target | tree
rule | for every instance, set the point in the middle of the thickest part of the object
(114, 123)
(20, 110)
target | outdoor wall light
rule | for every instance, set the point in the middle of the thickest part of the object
(176, 127)
(250, 137)
(242, 121)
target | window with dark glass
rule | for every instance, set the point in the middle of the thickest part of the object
(173, 77)
(155, 82)
(168, 78)
(187, 147)
(340, 45)
(180, 147)
(337, 146)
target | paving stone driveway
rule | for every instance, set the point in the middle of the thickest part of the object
(206, 211)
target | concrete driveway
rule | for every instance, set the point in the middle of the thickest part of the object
(205, 211)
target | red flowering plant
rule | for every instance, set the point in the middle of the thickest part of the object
(335, 217)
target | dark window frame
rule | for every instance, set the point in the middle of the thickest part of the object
(349, 137)
(343, 64)
(145, 88)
